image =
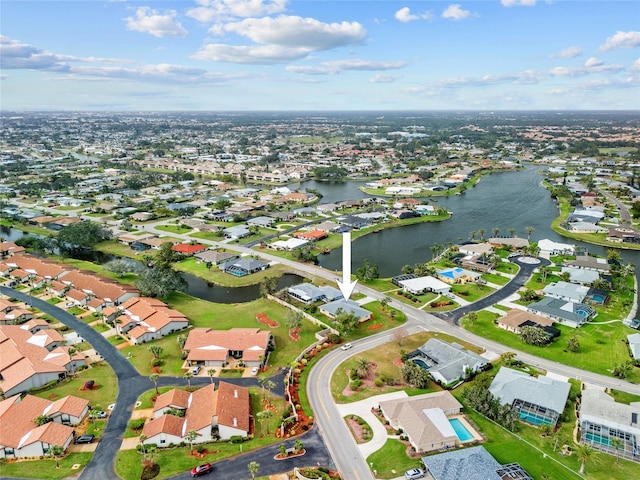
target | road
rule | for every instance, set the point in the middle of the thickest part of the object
(131, 385)
(625, 215)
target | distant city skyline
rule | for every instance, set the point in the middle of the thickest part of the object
(251, 55)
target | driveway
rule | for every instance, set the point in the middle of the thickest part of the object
(517, 282)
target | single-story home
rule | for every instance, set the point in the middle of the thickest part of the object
(473, 463)
(237, 232)
(538, 400)
(289, 244)
(590, 263)
(216, 348)
(566, 291)
(447, 362)
(580, 275)
(457, 275)
(424, 419)
(244, 266)
(428, 283)
(549, 247)
(515, 319)
(602, 420)
(212, 413)
(188, 248)
(333, 309)
(571, 314)
(214, 257)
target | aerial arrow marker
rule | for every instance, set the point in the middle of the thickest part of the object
(346, 285)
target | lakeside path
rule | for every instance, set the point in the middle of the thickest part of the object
(131, 385)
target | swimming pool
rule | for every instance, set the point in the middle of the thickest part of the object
(461, 431)
(420, 363)
(533, 419)
(598, 298)
(599, 439)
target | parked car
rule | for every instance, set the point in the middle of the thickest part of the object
(201, 470)
(101, 414)
(346, 346)
(196, 370)
(84, 439)
(414, 473)
(254, 371)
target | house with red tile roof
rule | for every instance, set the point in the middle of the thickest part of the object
(145, 319)
(212, 413)
(77, 297)
(311, 235)
(31, 357)
(8, 249)
(38, 266)
(111, 292)
(189, 249)
(20, 437)
(215, 348)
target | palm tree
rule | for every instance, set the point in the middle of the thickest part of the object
(269, 385)
(529, 230)
(142, 438)
(190, 437)
(154, 378)
(616, 443)
(56, 451)
(472, 235)
(472, 317)
(181, 339)
(512, 232)
(363, 367)
(496, 231)
(298, 445)
(264, 416)
(211, 372)
(188, 376)
(585, 452)
(253, 469)
(385, 302)
(155, 350)
(507, 357)
(482, 233)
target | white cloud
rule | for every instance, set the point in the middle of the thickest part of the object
(621, 40)
(455, 12)
(593, 62)
(518, 3)
(336, 66)
(636, 65)
(569, 52)
(148, 20)
(253, 54)
(217, 10)
(298, 32)
(404, 15)
(383, 78)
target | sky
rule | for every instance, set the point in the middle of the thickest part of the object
(306, 55)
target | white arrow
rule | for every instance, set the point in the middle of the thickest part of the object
(346, 285)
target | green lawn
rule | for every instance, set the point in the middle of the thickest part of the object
(495, 278)
(391, 460)
(601, 349)
(217, 276)
(202, 313)
(507, 267)
(46, 469)
(176, 460)
(174, 228)
(472, 292)
(99, 398)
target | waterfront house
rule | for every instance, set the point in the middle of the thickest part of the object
(537, 399)
(457, 275)
(309, 293)
(244, 266)
(215, 257)
(588, 262)
(580, 275)
(566, 291)
(549, 247)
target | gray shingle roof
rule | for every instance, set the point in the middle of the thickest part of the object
(509, 385)
(473, 463)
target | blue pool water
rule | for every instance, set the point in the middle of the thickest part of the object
(598, 298)
(420, 363)
(598, 439)
(461, 431)
(533, 419)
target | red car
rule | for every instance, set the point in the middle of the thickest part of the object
(201, 470)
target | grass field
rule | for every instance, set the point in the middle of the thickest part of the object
(99, 398)
(46, 469)
(601, 349)
(472, 292)
(174, 228)
(217, 276)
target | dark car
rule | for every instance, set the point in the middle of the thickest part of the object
(201, 470)
(84, 439)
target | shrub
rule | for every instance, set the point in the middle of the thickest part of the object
(236, 439)
(200, 449)
(355, 384)
(156, 362)
(136, 424)
(378, 382)
(333, 338)
(304, 361)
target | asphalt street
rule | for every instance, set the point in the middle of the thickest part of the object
(131, 385)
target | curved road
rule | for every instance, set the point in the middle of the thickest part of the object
(131, 385)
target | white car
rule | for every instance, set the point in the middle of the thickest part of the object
(196, 370)
(254, 371)
(346, 346)
(414, 474)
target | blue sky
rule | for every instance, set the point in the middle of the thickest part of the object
(320, 55)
